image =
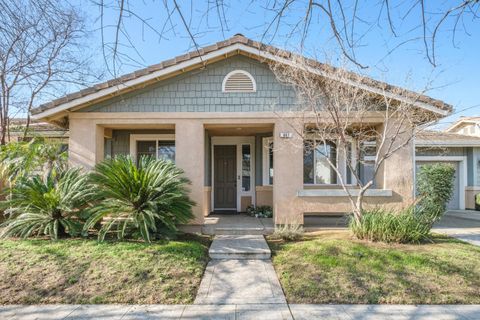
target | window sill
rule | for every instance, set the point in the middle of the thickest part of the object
(342, 193)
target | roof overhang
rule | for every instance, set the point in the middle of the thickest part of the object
(460, 123)
(444, 144)
(63, 109)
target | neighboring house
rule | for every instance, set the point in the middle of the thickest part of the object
(216, 113)
(36, 129)
(460, 150)
(466, 125)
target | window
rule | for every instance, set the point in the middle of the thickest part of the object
(246, 167)
(367, 164)
(239, 81)
(166, 150)
(316, 167)
(161, 149)
(267, 161)
(159, 146)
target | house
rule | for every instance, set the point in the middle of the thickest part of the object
(36, 129)
(466, 125)
(460, 150)
(215, 112)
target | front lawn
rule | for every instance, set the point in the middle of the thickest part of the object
(330, 267)
(86, 271)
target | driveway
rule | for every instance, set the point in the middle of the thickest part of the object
(463, 225)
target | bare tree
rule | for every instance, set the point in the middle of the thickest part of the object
(347, 23)
(41, 55)
(340, 119)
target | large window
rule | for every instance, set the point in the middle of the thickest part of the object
(316, 166)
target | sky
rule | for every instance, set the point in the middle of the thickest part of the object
(454, 80)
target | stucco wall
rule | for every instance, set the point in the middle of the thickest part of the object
(201, 91)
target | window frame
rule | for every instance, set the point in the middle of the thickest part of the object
(149, 137)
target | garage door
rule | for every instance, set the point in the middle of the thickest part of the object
(455, 201)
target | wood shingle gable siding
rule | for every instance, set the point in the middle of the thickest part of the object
(201, 91)
(248, 47)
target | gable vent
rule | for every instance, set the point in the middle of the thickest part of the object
(239, 81)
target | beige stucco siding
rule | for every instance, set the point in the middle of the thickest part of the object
(86, 149)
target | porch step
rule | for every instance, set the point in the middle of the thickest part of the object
(235, 231)
(239, 247)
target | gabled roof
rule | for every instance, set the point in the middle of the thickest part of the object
(463, 120)
(431, 138)
(238, 44)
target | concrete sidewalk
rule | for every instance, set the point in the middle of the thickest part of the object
(232, 311)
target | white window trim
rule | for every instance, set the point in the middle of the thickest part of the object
(224, 82)
(266, 160)
(462, 172)
(147, 137)
(237, 141)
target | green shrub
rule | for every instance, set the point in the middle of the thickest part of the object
(260, 211)
(288, 232)
(21, 159)
(435, 189)
(379, 224)
(147, 198)
(477, 202)
(48, 205)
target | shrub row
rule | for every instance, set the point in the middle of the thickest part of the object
(413, 224)
(119, 197)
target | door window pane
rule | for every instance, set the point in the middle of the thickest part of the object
(246, 165)
(166, 150)
(146, 148)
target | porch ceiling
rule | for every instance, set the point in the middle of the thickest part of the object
(140, 126)
(238, 130)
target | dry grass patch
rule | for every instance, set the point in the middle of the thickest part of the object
(331, 267)
(85, 271)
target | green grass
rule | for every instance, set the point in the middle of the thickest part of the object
(333, 268)
(86, 271)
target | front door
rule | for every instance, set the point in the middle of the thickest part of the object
(225, 181)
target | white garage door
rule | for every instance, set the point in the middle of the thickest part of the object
(455, 201)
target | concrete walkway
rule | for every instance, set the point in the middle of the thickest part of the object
(252, 311)
(240, 273)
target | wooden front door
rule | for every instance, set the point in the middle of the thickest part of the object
(225, 172)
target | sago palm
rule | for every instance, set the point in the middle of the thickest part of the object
(145, 197)
(47, 205)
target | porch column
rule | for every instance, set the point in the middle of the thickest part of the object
(86, 143)
(287, 175)
(397, 174)
(189, 156)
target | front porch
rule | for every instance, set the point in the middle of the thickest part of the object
(237, 224)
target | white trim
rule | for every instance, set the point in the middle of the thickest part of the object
(462, 172)
(225, 79)
(266, 160)
(238, 141)
(218, 53)
(343, 193)
(147, 137)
